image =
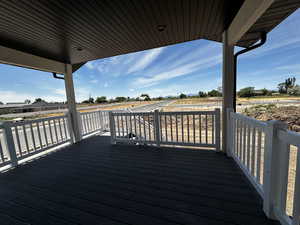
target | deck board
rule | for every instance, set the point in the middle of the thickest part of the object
(93, 182)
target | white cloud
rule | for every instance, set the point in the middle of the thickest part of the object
(90, 65)
(280, 44)
(12, 96)
(290, 68)
(94, 81)
(105, 84)
(146, 60)
(82, 93)
(59, 91)
(115, 59)
(102, 68)
(178, 71)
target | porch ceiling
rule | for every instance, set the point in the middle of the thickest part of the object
(82, 30)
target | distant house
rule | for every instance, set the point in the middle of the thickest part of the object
(258, 92)
(15, 103)
(40, 103)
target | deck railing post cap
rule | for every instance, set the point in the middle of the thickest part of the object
(277, 124)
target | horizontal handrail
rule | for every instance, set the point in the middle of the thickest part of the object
(36, 120)
(249, 120)
(20, 140)
(289, 137)
(189, 128)
(131, 113)
(104, 111)
(189, 113)
(268, 163)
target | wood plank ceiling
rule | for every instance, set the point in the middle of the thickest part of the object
(81, 30)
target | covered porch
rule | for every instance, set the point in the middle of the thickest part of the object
(94, 182)
(98, 180)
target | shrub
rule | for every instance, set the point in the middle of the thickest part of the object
(202, 94)
(246, 92)
(182, 95)
(214, 93)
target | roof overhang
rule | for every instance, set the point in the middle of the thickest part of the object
(55, 33)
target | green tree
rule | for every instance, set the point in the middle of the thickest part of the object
(27, 101)
(287, 84)
(146, 96)
(202, 94)
(88, 101)
(182, 95)
(266, 92)
(294, 90)
(101, 99)
(120, 99)
(91, 100)
(290, 83)
(214, 93)
(281, 88)
(39, 100)
(246, 92)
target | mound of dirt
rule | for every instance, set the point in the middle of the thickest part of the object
(288, 114)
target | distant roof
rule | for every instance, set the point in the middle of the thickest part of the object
(82, 30)
(11, 105)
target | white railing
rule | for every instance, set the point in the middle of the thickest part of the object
(269, 156)
(287, 196)
(247, 144)
(132, 127)
(196, 128)
(24, 139)
(94, 121)
(20, 140)
(5, 158)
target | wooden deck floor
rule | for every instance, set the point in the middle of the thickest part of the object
(96, 183)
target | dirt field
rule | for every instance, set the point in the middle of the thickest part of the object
(101, 107)
(196, 100)
(118, 106)
(239, 100)
(288, 113)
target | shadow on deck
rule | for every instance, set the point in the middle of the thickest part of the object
(95, 183)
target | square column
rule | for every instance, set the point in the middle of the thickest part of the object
(74, 122)
(227, 86)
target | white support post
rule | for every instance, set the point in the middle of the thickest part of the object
(157, 127)
(10, 144)
(230, 133)
(218, 130)
(228, 86)
(272, 167)
(112, 128)
(73, 114)
(70, 130)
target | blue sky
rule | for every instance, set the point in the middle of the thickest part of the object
(183, 68)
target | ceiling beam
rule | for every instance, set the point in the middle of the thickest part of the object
(248, 14)
(18, 58)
